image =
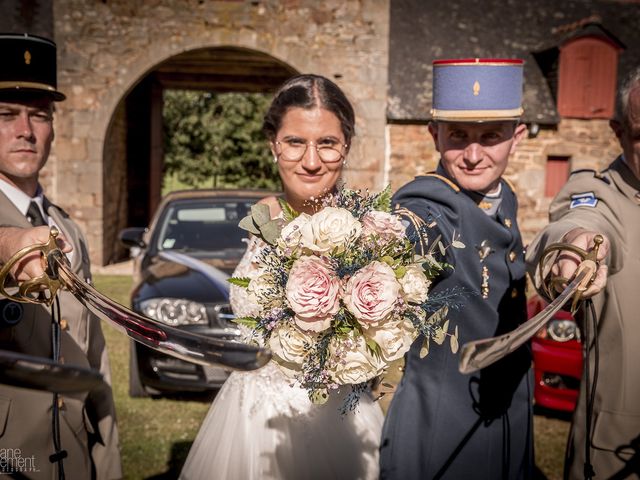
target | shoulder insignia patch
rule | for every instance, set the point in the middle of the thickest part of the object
(586, 199)
(444, 179)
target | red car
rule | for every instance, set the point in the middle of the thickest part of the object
(557, 358)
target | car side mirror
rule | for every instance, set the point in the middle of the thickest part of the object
(132, 237)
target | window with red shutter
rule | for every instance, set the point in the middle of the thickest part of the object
(587, 78)
(557, 174)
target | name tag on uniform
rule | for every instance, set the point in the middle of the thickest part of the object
(587, 199)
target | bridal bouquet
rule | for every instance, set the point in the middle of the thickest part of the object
(341, 293)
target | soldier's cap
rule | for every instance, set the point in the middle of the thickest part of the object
(477, 89)
(29, 65)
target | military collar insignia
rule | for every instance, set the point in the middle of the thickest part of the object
(484, 250)
(507, 222)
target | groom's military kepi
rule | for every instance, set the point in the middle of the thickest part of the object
(441, 423)
(45, 435)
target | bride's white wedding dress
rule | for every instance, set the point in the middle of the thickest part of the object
(259, 427)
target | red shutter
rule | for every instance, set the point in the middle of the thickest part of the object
(587, 78)
(557, 174)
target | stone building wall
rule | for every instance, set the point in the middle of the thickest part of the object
(106, 47)
(588, 144)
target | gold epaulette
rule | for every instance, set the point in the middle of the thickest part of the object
(444, 179)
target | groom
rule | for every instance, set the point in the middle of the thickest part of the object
(441, 423)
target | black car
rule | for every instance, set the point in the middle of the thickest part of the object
(182, 263)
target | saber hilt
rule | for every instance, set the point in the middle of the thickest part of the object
(589, 261)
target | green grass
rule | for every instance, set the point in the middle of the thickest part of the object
(155, 434)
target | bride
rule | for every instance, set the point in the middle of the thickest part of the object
(259, 426)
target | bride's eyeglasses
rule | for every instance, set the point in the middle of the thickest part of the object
(293, 149)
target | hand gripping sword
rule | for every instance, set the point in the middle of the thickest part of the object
(175, 342)
(479, 354)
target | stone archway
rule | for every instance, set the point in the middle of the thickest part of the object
(105, 49)
(133, 146)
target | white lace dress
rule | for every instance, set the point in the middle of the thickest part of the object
(259, 427)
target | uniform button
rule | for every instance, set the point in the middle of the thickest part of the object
(514, 293)
(64, 324)
(512, 256)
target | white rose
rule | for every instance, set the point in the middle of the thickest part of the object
(331, 228)
(394, 338)
(290, 236)
(350, 361)
(414, 283)
(289, 345)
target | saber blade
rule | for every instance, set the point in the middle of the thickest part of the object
(175, 342)
(38, 373)
(482, 353)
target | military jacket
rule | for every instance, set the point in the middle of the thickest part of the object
(442, 423)
(87, 420)
(607, 202)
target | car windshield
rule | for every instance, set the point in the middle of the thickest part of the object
(203, 225)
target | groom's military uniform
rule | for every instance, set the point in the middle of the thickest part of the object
(441, 423)
(88, 437)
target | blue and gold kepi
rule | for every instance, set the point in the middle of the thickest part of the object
(28, 65)
(477, 90)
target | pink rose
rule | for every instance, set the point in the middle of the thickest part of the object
(371, 293)
(383, 224)
(312, 292)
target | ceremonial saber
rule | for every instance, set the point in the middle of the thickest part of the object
(38, 373)
(479, 354)
(182, 344)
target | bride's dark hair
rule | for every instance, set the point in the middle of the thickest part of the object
(309, 91)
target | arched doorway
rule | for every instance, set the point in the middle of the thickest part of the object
(133, 149)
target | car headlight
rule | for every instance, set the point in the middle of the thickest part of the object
(563, 330)
(174, 311)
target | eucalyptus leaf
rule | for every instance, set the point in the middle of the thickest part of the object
(454, 344)
(442, 249)
(400, 271)
(260, 213)
(270, 231)
(424, 349)
(247, 224)
(439, 336)
(319, 397)
(458, 244)
(239, 281)
(454, 341)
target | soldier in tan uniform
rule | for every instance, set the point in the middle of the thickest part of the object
(43, 435)
(608, 203)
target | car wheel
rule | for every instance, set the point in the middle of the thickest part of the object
(136, 388)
